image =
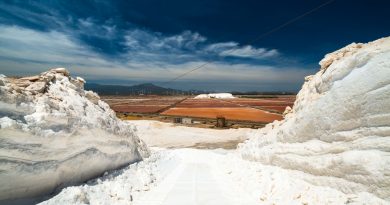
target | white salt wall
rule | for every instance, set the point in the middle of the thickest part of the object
(53, 133)
(338, 133)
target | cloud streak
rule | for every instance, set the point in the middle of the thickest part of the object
(148, 57)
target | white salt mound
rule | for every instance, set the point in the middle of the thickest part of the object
(338, 133)
(215, 95)
(54, 134)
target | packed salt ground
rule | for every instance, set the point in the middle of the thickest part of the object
(331, 148)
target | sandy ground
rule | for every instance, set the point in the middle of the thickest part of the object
(168, 135)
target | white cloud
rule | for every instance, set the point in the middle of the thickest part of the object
(250, 52)
(89, 27)
(186, 40)
(233, 49)
(148, 41)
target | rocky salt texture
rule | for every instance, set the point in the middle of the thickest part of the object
(338, 133)
(54, 133)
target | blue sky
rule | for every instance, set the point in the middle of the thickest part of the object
(130, 42)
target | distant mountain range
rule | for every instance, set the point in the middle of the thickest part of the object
(141, 89)
(151, 89)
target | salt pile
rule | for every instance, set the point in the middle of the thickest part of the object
(338, 133)
(54, 133)
(215, 95)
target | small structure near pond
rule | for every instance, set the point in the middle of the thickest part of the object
(187, 120)
(184, 120)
